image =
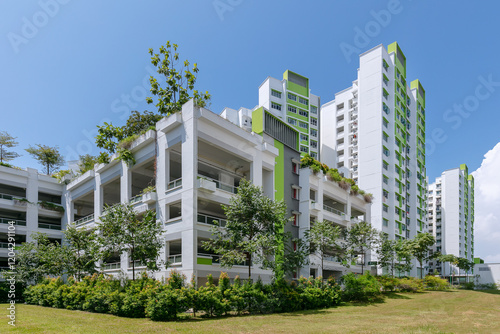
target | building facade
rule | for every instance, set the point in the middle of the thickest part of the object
(451, 217)
(290, 99)
(376, 129)
(31, 203)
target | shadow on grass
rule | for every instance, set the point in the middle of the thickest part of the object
(490, 291)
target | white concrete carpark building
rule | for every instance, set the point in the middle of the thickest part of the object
(33, 202)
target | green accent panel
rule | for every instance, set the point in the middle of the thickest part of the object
(416, 84)
(201, 260)
(279, 172)
(400, 59)
(304, 91)
(297, 104)
(464, 167)
(258, 120)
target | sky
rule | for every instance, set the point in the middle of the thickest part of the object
(67, 65)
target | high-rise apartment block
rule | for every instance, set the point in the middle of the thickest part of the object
(290, 100)
(451, 217)
(376, 128)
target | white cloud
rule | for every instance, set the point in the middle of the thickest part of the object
(487, 207)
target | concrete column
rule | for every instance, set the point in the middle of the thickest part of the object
(125, 184)
(32, 207)
(98, 196)
(189, 187)
(256, 167)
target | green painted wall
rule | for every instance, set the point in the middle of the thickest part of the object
(258, 120)
(201, 260)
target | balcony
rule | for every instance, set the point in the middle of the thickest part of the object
(175, 260)
(334, 211)
(313, 206)
(218, 185)
(49, 226)
(85, 220)
(175, 184)
(17, 222)
(211, 220)
(111, 266)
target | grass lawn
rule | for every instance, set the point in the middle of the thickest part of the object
(457, 311)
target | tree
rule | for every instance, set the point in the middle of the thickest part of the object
(253, 231)
(464, 264)
(444, 258)
(420, 247)
(40, 258)
(404, 256)
(179, 87)
(360, 238)
(324, 238)
(386, 252)
(296, 254)
(83, 251)
(86, 163)
(7, 141)
(47, 156)
(121, 230)
(179, 79)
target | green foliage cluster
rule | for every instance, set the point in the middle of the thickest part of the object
(411, 284)
(51, 206)
(361, 288)
(47, 156)
(147, 297)
(333, 175)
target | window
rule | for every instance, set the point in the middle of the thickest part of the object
(385, 165)
(304, 149)
(314, 144)
(292, 121)
(386, 108)
(303, 113)
(340, 106)
(275, 106)
(295, 222)
(385, 193)
(275, 93)
(314, 133)
(385, 179)
(386, 151)
(303, 137)
(295, 167)
(303, 125)
(385, 208)
(295, 193)
(314, 121)
(292, 109)
(314, 155)
(386, 222)
(314, 110)
(303, 101)
(292, 97)
(385, 136)
(385, 122)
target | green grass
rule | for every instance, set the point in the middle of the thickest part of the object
(456, 311)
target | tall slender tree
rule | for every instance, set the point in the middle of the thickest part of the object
(253, 231)
(360, 239)
(324, 238)
(420, 247)
(47, 156)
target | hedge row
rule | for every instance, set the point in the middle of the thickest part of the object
(147, 297)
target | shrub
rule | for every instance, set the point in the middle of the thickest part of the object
(167, 304)
(435, 283)
(468, 286)
(361, 288)
(410, 284)
(388, 283)
(5, 288)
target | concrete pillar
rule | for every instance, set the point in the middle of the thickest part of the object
(256, 167)
(98, 196)
(32, 207)
(125, 184)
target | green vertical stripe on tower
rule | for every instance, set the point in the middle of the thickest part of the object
(279, 195)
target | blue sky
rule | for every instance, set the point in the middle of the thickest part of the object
(63, 72)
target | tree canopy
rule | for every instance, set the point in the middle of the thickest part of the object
(48, 157)
(6, 142)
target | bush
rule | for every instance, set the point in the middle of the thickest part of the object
(5, 288)
(361, 288)
(410, 284)
(468, 286)
(167, 304)
(435, 283)
(388, 283)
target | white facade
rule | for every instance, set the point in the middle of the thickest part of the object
(451, 217)
(321, 199)
(378, 133)
(21, 192)
(487, 273)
